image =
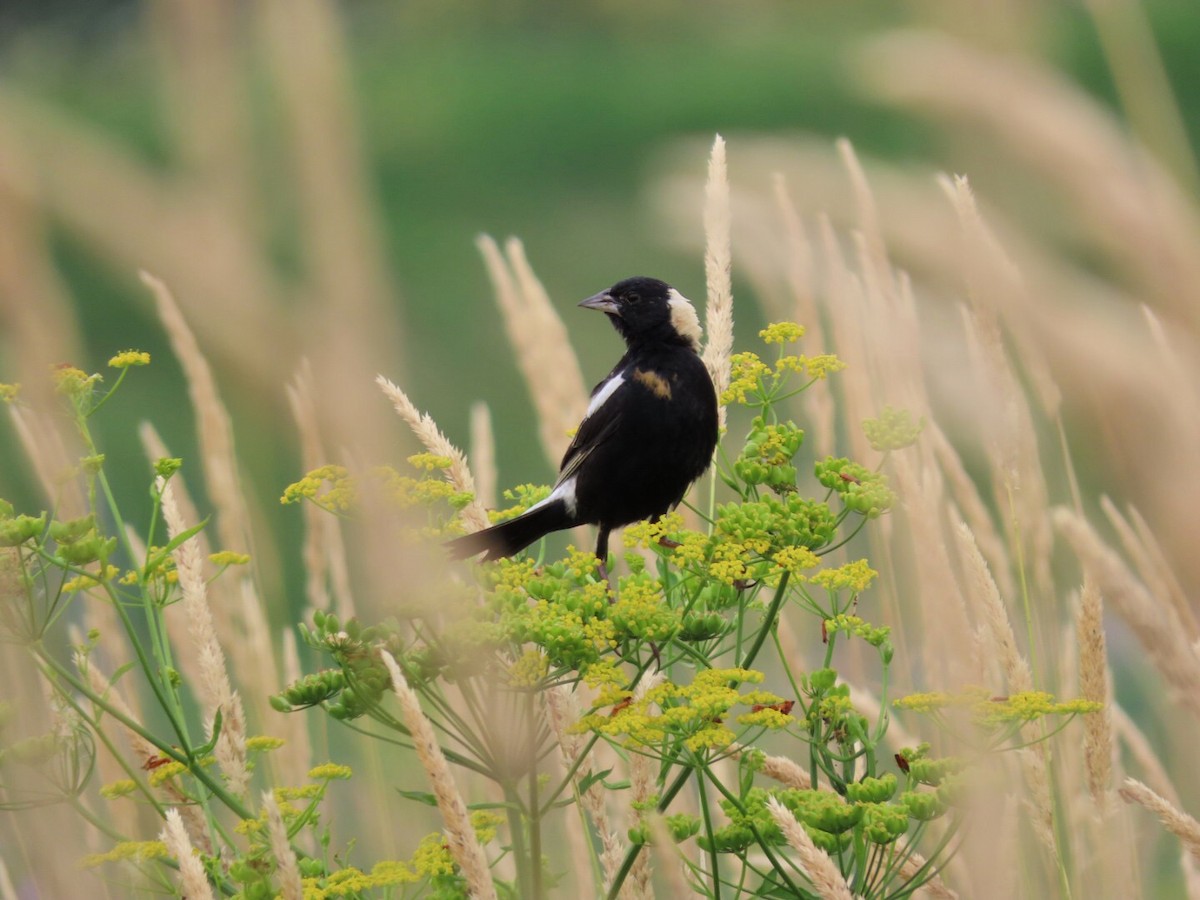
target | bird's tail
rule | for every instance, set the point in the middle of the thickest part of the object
(514, 535)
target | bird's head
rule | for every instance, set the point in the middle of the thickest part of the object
(646, 309)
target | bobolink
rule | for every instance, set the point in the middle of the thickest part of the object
(649, 431)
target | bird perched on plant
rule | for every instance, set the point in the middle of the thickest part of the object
(649, 431)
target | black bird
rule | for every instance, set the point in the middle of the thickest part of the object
(649, 431)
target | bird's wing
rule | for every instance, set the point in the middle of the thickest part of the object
(598, 425)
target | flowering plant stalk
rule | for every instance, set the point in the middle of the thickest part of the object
(674, 658)
(185, 758)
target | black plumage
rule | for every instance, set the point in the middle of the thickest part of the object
(649, 432)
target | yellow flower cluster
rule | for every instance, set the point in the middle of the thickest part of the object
(429, 462)
(83, 582)
(854, 576)
(262, 743)
(695, 712)
(330, 487)
(8, 392)
(781, 333)
(351, 881)
(329, 771)
(746, 374)
(122, 788)
(127, 358)
(73, 382)
(223, 558)
(796, 559)
(991, 711)
(135, 850)
(529, 669)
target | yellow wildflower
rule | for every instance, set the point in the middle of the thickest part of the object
(229, 558)
(781, 333)
(854, 576)
(127, 358)
(329, 771)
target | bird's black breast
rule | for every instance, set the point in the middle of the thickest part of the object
(661, 426)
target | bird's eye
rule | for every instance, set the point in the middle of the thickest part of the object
(633, 297)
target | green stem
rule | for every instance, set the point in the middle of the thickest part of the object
(768, 622)
(714, 859)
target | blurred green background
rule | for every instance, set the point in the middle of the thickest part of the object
(540, 120)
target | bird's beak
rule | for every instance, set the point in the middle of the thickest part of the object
(603, 302)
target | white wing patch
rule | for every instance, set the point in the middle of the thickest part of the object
(606, 390)
(684, 318)
(564, 492)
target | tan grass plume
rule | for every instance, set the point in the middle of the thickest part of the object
(1179, 823)
(287, 869)
(215, 692)
(718, 265)
(1093, 685)
(427, 432)
(193, 883)
(460, 835)
(541, 344)
(814, 862)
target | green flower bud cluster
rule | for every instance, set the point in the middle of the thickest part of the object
(16, 530)
(311, 690)
(778, 522)
(876, 636)
(895, 429)
(353, 647)
(680, 827)
(884, 822)
(767, 456)
(861, 489)
(872, 790)
(699, 627)
(79, 543)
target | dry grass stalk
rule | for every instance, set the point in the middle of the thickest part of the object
(482, 454)
(53, 464)
(981, 587)
(780, 768)
(213, 427)
(669, 858)
(1006, 424)
(287, 869)
(718, 264)
(213, 687)
(1156, 624)
(563, 711)
(822, 871)
(459, 474)
(325, 563)
(801, 276)
(1179, 823)
(540, 343)
(7, 890)
(1139, 218)
(935, 887)
(1093, 685)
(1142, 547)
(244, 627)
(970, 503)
(876, 264)
(193, 883)
(945, 626)
(460, 835)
